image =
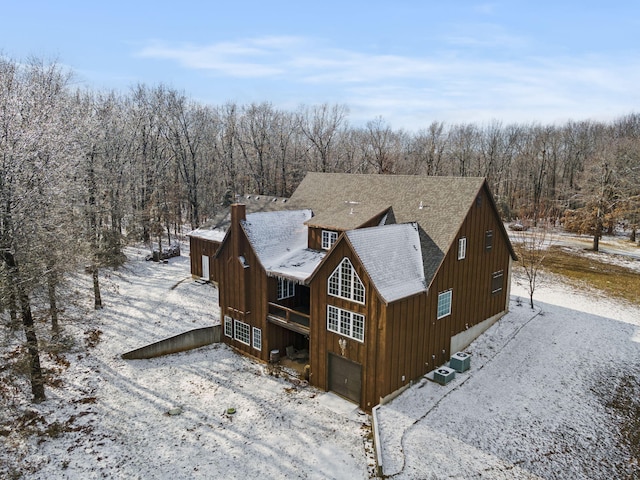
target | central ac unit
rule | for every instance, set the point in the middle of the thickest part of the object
(444, 375)
(460, 362)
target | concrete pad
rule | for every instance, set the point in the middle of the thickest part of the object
(337, 404)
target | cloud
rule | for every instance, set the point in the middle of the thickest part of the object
(446, 84)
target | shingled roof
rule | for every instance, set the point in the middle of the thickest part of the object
(438, 205)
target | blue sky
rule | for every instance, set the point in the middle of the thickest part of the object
(409, 62)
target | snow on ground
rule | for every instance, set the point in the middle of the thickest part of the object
(533, 405)
(108, 418)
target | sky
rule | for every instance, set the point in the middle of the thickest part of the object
(409, 62)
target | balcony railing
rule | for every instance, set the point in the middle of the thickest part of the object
(295, 320)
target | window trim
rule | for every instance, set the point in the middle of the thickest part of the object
(494, 276)
(462, 248)
(329, 237)
(354, 322)
(286, 288)
(228, 326)
(338, 287)
(256, 344)
(238, 328)
(443, 302)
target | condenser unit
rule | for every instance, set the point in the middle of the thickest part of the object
(460, 362)
(444, 375)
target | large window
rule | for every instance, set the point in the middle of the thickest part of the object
(286, 288)
(257, 338)
(444, 304)
(241, 332)
(345, 283)
(328, 239)
(497, 280)
(228, 326)
(462, 248)
(344, 322)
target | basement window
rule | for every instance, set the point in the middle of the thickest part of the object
(257, 338)
(228, 326)
(241, 332)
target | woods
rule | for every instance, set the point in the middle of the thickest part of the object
(84, 172)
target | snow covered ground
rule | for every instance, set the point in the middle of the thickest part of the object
(108, 417)
(533, 405)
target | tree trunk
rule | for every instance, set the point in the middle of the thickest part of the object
(53, 304)
(596, 242)
(96, 289)
(633, 235)
(37, 380)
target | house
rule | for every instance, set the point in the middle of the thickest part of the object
(378, 279)
(205, 241)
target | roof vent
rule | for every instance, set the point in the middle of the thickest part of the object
(460, 362)
(444, 375)
(421, 205)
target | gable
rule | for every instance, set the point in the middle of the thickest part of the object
(392, 257)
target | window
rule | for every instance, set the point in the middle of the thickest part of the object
(241, 332)
(328, 239)
(462, 248)
(345, 283)
(228, 326)
(488, 240)
(497, 279)
(344, 322)
(444, 304)
(257, 338)
(286, 288)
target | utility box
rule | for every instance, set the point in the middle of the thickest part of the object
(460, 362)
(444, 375)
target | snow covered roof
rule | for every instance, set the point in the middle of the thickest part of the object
(216, 235)
(392, 257)
(280, 242)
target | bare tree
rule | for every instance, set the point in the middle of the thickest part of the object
(531, 247)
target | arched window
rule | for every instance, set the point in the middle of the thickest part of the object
(345, 283)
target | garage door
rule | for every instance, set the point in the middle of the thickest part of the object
(345, 377)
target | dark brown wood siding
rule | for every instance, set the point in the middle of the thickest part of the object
(370, 353)
(199, 247)
(243, 290)
(417, 341)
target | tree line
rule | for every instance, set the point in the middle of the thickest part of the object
(83, 172)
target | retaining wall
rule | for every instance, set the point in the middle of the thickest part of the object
(178, 343)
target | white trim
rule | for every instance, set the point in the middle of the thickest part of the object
(286, 288)
(257, 335)
(443, 296)
(328, 239)
(346, 323)
(239, 331)
(345, 283)
(228, 326)
(462, 248)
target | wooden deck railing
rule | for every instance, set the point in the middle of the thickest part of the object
(286, 315)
